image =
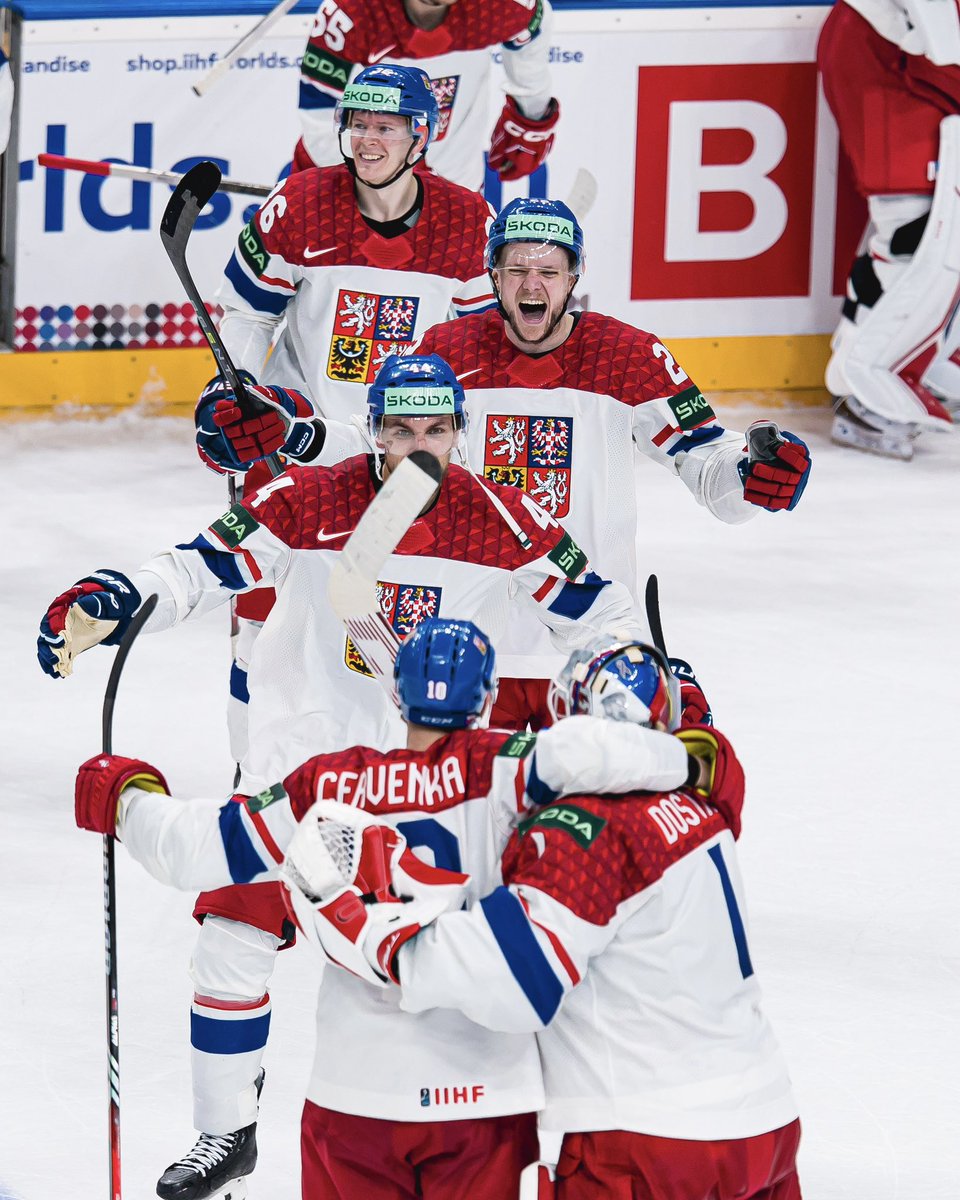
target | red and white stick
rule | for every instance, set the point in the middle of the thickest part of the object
(59, 162)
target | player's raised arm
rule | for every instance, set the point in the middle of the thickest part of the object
(524, 133)
(241, 550)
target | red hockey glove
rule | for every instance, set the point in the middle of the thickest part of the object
(694, 707)
(725, 783)
(358, 893)
(227, 439)
(776, 471)
(519, 144)
(100, 781)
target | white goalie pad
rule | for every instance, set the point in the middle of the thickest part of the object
(883, 358)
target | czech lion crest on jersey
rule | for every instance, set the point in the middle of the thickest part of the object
(533, 454)
(366, 330)
(445, 90)
(404, 605)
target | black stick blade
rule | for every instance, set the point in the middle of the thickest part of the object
(191, 195)
(137, 622)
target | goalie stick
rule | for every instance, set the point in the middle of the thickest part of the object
(110, 906)
(352, 588)
(190, 197)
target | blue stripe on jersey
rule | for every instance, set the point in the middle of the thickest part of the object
(311, 97)
(530, 966)
(243, 861)
(238, 684)
(228, 1037)
(736, 921)
(699, 437)
(257, 297)
(575, 599)
(537, 790)
(220, 563)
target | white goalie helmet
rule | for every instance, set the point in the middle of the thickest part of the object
(619, 680)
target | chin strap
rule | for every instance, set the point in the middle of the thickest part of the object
(376, 187)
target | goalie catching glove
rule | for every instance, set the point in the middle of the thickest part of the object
(230, 438)
(520, 144)
(777, 467)
(356, 891)
(100, 781)
(96, 609)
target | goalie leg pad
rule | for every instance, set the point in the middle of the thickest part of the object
(882, 359)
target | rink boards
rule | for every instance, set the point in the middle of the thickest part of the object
(719, 221)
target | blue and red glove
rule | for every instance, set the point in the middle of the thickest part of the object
(100, 781)
(777, 467)
(229, 441)
(519, 144)
(105, 600)
(694, 707)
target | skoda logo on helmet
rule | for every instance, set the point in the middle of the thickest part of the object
(378, 99)
(528, 228)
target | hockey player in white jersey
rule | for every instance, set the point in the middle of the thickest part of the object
(891, 75)
(344, 266)
(618, 934)
(425, 1105)
(561, 404)
(452, 41)
(483, 551)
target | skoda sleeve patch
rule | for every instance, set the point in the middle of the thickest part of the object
(568, 557)
(254, 252)
(262, 800)
(234, 526)
(691, 407)
(582, 826)
(323, 67)
(518, 746)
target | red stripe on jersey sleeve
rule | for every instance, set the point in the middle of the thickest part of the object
(557, 945)
(265, 836)
(663, 435)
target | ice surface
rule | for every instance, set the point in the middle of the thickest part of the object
(827, 642)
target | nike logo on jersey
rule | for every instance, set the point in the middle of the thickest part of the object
(466, 374)
(308, 253)
(375, 58)
(332, 537)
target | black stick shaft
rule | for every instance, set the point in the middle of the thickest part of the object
(652, 601)
(190, 196)
(110, 908)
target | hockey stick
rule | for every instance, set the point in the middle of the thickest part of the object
(652, 601)
(190, 196)
(59, 162)
(110, 905)
(352, 588)
(582, 194)
(248, 39)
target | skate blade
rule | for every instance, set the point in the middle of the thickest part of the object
(883, 447)
(235, 1190)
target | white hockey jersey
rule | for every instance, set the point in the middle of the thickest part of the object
(347, 296)
(621, 937)
(310, 689)
(456, 803)
(348, 35)
(566, 428)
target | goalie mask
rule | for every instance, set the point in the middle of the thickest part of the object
(623, 681)
(445, 675)
(397, 91)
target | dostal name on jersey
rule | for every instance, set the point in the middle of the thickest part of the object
(400, 783)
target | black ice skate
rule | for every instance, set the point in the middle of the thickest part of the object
(215, 1167)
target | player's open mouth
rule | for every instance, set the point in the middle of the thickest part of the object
(533, 311)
